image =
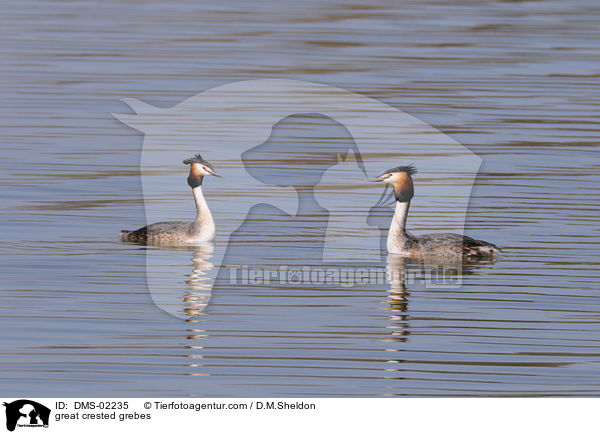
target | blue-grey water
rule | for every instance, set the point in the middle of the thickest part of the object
(517, 82)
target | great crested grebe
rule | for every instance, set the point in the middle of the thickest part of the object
(201, 230)
(399, 242)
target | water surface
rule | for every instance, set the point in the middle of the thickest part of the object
(515, 82)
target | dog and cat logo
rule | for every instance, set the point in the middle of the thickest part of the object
(26, 413)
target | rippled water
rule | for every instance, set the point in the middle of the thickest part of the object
(516, 82)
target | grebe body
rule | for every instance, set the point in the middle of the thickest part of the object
(400, 242)
(201, 230)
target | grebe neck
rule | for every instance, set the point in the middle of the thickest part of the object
(397, 237)
(202, 210)
(400, 215)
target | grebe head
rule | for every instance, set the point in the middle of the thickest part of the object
(400, 178)
(199, 168)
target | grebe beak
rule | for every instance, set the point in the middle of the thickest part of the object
(213, 172)
(378, 179)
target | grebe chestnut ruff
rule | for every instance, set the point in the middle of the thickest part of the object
(201, 230)
(399, 242)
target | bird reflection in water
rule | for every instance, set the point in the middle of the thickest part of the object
(397, 299)
(196, 297)
(195, 300)
(174, 287)
(199, 283)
